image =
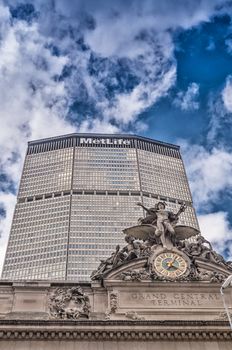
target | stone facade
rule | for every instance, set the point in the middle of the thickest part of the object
(115, 313)
(160, 291)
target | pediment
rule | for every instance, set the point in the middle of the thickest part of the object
(160, 264)
(174, 258)
(137, 270)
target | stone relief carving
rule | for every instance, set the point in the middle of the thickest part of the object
(134, 275)
(202, 248)
(194, 275)
(132, 315)
(134, 249)
(107, 264)
(222, 316)
(113, 304)
(157, 231)
(211, 276)
(71, 303)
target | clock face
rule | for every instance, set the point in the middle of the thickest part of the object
(171, 265)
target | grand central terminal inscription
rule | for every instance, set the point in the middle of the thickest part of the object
(169, 300)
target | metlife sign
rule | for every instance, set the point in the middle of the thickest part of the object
(104, 141)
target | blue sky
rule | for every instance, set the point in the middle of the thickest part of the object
(161, 69)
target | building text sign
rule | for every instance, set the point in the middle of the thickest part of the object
(104, 141)
(143, 300)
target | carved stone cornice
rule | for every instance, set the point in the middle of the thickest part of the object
(136, 330)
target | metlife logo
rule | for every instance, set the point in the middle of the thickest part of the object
(104, 141)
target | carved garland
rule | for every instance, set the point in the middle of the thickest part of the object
(70, 303)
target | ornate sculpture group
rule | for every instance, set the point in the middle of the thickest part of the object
(201, 248)
(158, 229)
(134, 249)
(163, 222)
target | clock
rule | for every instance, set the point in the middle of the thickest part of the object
(170, 264)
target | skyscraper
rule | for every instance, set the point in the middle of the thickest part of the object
(78, 192)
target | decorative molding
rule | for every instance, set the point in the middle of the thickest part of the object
(136, 334)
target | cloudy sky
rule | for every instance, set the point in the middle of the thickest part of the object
(161, 69)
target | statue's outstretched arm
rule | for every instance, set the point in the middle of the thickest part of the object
(181, 210)
(141, 205)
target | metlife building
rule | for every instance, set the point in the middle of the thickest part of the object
(78, 192)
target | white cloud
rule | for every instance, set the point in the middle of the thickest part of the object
(97, 126)
(228, 43)
(161, 15)
(217, 115)
(216, 228)
(156, 74)
(209, 173)
(211, 45)
(135, 30)
(129, 105)
(220, 114)
(140, 126)
(187, 100)
(114, 37)
(227, 94)
(150, 75)
(31, 100)
(119, 25)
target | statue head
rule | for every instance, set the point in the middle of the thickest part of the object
(129, 239)
(160, 205)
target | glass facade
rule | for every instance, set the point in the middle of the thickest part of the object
(165, 175)
(46, 172)
(38, 240)
(105, 169)
(78, 192)
(96, 228)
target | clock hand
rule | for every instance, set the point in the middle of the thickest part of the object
(170, 263)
